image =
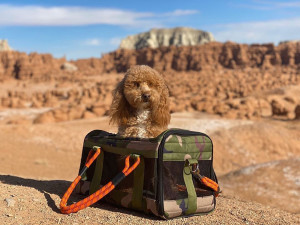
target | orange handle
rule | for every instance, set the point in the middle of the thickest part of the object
(98, 194)
(210, 183)
(206, 181)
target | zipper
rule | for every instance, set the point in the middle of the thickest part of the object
(183, 133)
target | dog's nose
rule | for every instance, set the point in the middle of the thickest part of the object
(146, 97)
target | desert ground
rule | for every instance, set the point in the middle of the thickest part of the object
(259, 187)
(250, 111)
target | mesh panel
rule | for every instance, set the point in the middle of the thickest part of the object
(150, 174)
(114, 163)
(174, 186)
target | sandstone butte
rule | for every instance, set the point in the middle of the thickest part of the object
(4, 46)
(179, 36)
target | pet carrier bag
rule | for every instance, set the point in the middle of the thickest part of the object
(169, 176)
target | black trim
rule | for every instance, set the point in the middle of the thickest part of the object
(118, 178)
(160, 191)
(83, 171)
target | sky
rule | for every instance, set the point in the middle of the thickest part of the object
(82, 29)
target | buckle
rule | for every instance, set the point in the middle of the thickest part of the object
(195, 167)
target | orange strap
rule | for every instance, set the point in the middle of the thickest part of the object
(210, 183)
(207, 182)
(98, 194)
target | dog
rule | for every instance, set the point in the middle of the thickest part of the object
(140, 105)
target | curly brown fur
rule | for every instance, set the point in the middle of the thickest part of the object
(140, 104)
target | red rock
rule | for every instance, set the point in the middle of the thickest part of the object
(281, 107)
(297, 112)
(99, 110)
(88, 115)
(265, 108)
(61, 114)
(76, 112)
(46, 117)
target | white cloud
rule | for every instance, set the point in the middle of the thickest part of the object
(92, 42)
(180, 12)
(61, 16)
(269, 5)
(115, 41)
(259, 32)
(11, 15)
(282, 4)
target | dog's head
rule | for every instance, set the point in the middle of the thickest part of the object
(142, 88)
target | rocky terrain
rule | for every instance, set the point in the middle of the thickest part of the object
(4, 46)
(245, 97)
(231, 80)
(179, 36)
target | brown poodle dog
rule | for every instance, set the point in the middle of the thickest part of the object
(140, 106)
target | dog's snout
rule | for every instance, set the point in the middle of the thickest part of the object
(146, 97)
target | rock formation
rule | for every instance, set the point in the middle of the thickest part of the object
(68, 67)
(289, 41)
(20, 65)
(4, 46)
(209, 56)
(179, 36)
(231, 80)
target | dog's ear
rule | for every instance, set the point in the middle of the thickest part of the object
(120, 109)
(161, 114)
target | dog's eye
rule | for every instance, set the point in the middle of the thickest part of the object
(136, 84)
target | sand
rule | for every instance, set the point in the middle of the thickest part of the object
(38, 162)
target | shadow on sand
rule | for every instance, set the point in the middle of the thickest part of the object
(58, 187)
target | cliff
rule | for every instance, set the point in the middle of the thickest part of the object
(209, 56)
(179, 36)
(20, 65)
(4, 46)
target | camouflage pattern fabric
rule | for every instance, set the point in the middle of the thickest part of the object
(178, 148)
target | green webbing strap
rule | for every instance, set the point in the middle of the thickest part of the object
(138, 184)
(188, 180)
(95, 184)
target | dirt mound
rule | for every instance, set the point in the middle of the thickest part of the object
(275, 183)
(41, 198)
(42, 159)
(242, 143)
(53, 151)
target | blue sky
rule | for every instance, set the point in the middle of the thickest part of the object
(82, 29)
